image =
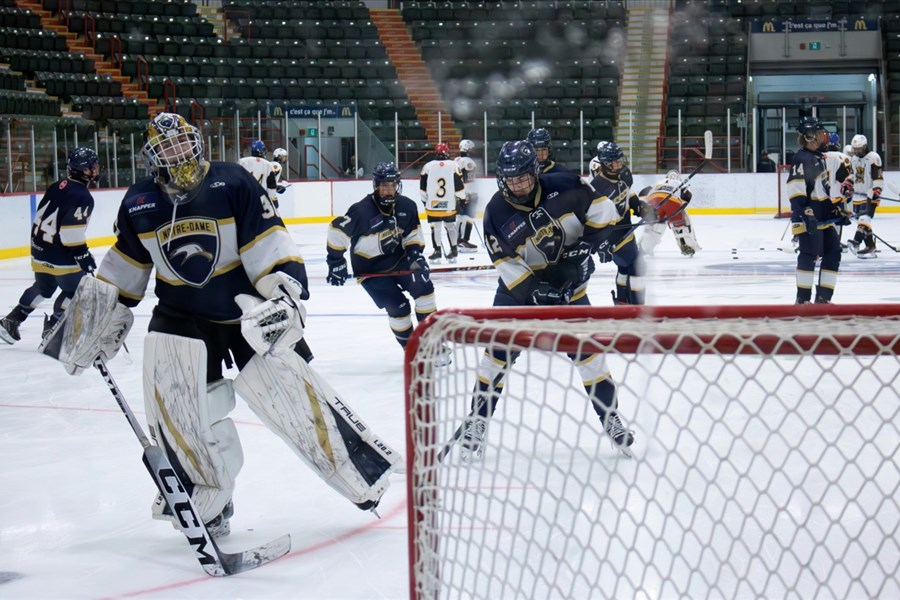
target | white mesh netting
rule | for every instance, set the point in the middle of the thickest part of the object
(765, 460)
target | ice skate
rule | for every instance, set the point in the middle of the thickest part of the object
(853, 246)
(452, 255)
(472, 441)
(9, 330)
(435, 256)
(869, 251)
(467, 247)
(621, 437)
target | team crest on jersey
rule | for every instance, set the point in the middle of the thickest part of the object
(548, 234)
(190, 248)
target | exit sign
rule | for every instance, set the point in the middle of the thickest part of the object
(312, 132)
(815, 45)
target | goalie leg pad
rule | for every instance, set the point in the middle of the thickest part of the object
(651, 238)
(190, 421)
(298, 405)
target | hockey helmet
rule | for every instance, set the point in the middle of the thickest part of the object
(174, 154)
(386, 172)
(809, 128)
(539, 138)
(515, 160)
(859, 144)
(442, 150)
(607, 154)
(673, 174)
(279, 154)
(834, 140)
(83, 165)
(466, 146)
(258, 148)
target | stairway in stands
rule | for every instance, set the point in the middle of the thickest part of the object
(414, 75)
(643, 85)
(102, 66)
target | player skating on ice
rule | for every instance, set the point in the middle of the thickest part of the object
(230, 285)
(667, 197)
(868, 182)
(466, 208)
(384, 238)
(541, 232)
(814, 214)
(59, 252)
(441, 187)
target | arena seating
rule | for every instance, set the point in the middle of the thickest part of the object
(514, 59)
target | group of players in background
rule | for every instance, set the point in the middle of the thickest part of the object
(228, 275)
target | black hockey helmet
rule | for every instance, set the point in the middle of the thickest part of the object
(809, 127)
(83, 165)
(386, 172)
(516, 159)
(607, 154)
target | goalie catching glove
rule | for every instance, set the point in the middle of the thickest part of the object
(94, 325)
(274, 325)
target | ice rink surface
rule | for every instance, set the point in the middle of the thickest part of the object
(75, 508)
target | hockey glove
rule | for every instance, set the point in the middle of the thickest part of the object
(876, 194)
(648, 213)
(547, 295)
(275, 325)
(847, 188)
(85, 260)
(807, 223)
(604, 252)
(579, 255)
(280, 189)
(841, 216)
(337, 272)
(419, 266)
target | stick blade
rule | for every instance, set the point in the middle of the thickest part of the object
(707, 144)
(255, 557)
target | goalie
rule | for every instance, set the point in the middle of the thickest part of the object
(667, 197)
(230, 284)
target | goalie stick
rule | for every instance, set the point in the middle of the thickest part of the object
(215, 562)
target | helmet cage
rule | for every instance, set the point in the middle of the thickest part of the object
(386, 173)
(174, 155)
(83, 165)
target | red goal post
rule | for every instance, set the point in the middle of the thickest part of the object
(765, 454)
(784, 198)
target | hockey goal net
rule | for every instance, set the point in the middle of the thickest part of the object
(765, 461)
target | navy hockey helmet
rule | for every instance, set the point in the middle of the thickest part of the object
(607, 154)
(539, 138)
(174, 155)
(515, 160)
(258, 148)
(83, 165)
(386, 172)
(809, 127)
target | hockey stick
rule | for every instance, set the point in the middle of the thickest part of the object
(434, 270)
(874, 235)
(212, 559)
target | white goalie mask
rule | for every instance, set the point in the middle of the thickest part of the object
(594, 167)
(673, 175)
(859, 145)
(174, 155)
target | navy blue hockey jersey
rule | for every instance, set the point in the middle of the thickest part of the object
(809, 187)
(59, 228)
(219, 245)
(378, 242)
(523, 241)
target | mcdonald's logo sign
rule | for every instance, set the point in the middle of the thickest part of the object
(278, 112)
(768, 27)
(860, 24)
(346, 112)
